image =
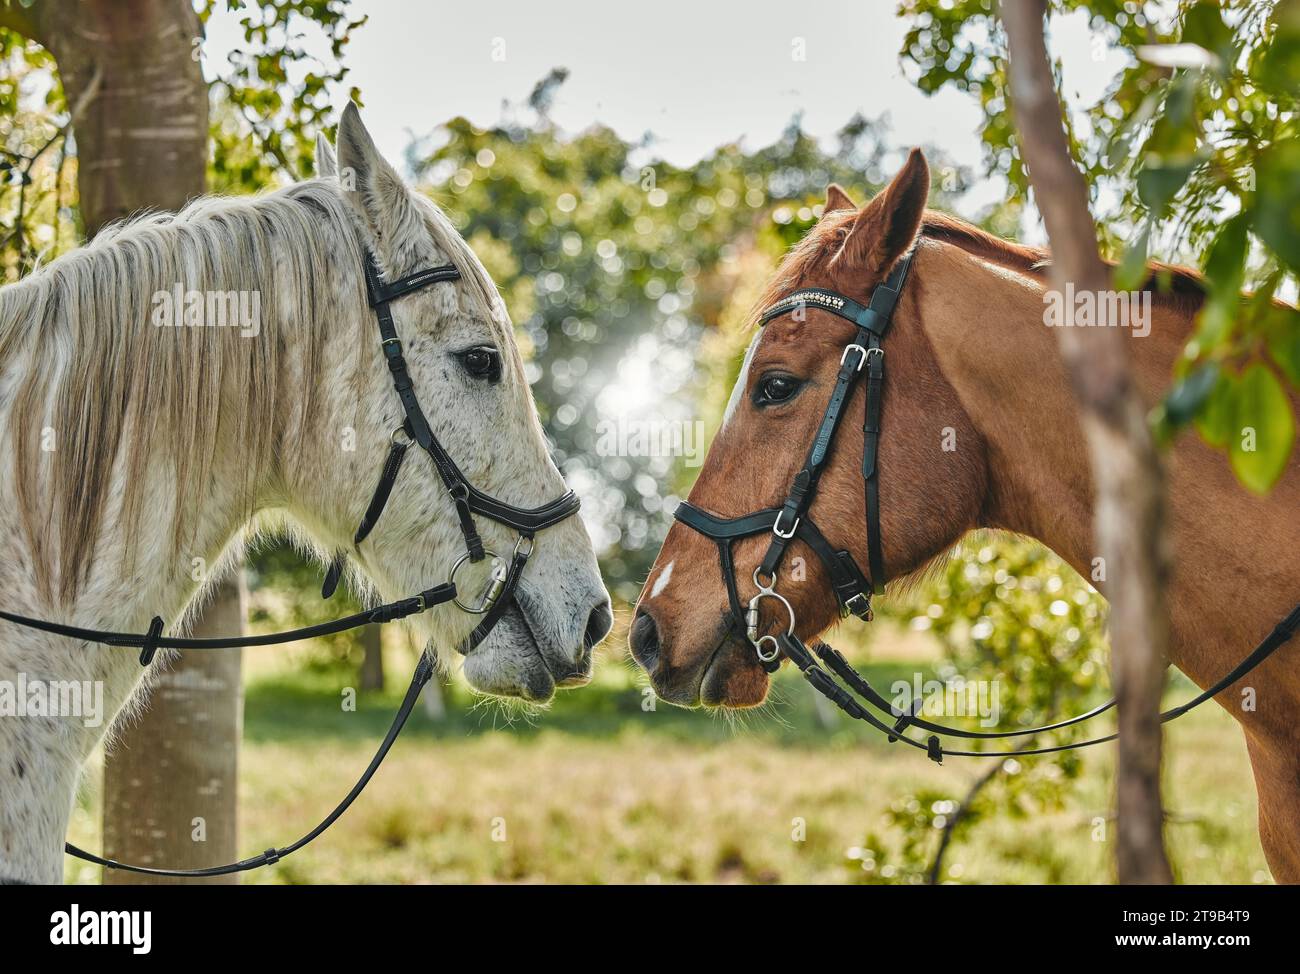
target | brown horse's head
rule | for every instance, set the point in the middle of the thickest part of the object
(681, 634)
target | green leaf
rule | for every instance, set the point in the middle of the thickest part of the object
(1264, 432)
(1284, 342)
(1277, 204)
(1187, 397)
(1225, 266)
(1117, 152)
(1279, 69)
(1225, 271)
(1131, 273)
(1214, 421)
(1203, 25)
(1158, 184)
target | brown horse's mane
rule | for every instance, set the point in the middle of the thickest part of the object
(1168, 281)
(1179, 286)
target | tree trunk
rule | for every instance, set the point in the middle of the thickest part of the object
(1127, 477)
(143, 144)
(170, 784)
(372, 664)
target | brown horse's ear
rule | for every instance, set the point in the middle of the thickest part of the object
(886, 227)
(837, 199)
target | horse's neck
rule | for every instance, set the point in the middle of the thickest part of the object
(1237, 556)
(134, 575)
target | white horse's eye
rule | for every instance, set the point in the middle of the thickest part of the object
(482, 362)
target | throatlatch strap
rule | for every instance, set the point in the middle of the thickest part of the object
(387, 478)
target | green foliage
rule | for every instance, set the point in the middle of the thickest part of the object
(271, 98)
(36, 169)
(1011, 613)
(1262, 418)
(1197, 140)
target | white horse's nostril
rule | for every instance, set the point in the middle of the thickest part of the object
(599, 623)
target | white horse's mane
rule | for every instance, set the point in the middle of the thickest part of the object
(82, 362)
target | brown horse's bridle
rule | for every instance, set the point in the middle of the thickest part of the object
(852, 589)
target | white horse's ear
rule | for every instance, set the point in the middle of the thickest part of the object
(326, 165)
(373, 187)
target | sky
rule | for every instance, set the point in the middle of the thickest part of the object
(732, 74)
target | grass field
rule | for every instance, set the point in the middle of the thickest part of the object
(598, 789)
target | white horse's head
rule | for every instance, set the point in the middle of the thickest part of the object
(469, 378)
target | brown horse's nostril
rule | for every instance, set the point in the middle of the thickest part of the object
(599, 623)
(644, 640)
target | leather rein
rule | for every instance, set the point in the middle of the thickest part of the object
(492, 603)
(853, 590)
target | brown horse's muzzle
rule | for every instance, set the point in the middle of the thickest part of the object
(720, 671)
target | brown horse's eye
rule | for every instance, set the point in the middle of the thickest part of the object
(774, 389)
(483, 362)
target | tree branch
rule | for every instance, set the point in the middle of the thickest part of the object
(1128, 482)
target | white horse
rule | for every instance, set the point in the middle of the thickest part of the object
(137, 454)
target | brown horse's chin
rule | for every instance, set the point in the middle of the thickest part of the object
(734, 678)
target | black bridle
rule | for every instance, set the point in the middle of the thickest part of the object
(492, 603)
(852, 589)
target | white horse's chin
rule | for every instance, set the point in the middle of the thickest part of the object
(509, 663)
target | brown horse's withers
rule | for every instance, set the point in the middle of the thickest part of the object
(971, 363)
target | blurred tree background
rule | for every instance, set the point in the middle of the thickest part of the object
(616, 266)
(630, 282)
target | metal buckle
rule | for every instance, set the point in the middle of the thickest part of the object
(785, 536)
(862, 352)
(392, 437)
(860, 606)
(877, 350)
(491, 591)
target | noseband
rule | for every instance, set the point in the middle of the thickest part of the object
(492, 603)
(851, 588)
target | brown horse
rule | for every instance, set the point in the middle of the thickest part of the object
(970, 357)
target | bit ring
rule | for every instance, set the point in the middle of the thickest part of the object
(487, 602)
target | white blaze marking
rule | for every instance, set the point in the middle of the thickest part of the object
(661, 582)
(742, 380)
